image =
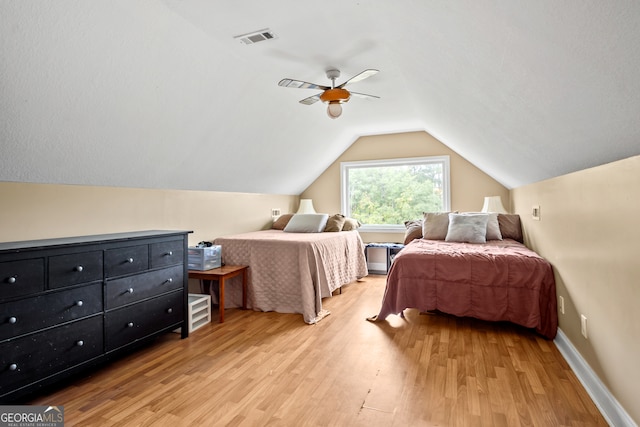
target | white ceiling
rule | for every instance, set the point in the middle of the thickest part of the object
(159, 94)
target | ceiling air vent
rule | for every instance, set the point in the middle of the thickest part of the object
(256, 36)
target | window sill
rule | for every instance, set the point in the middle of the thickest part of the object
(382, 228)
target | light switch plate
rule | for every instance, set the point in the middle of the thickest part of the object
(535, 212)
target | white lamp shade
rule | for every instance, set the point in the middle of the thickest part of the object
(306, 207)
(493, 204)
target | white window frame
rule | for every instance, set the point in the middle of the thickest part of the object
(392, 228)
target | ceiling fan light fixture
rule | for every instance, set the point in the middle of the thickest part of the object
(334, 98)
(334, 109)
(332, 95)
(335, 95)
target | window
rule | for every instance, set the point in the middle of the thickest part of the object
(383, 194)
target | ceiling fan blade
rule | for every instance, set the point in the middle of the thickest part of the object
(299, 84)
(363, 75)
(363, 95)
(311, 100)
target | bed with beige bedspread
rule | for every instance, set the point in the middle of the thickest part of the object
(293, 272)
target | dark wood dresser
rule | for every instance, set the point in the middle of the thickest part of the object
(68, 304)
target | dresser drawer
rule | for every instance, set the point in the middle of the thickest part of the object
(131, 323)
(37, 356)
(71, 269)
(28, 315)
(23, 277)
(127, 260)
(167, 253)
(127, 290)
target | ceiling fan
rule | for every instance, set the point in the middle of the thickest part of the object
(332, 95)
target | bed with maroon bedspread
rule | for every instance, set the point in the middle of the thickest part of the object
(501, 280)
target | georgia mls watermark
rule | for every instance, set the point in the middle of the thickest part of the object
(31, 416)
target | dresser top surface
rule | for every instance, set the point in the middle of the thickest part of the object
(97, 238)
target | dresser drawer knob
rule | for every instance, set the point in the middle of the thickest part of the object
(169, 253)
(79, 268)
(130, 290)
(13, 320)
(12, 279)
(169, 310)
(169, 280)
(130, 260)
(13, 367)
(80, 343)
(130, 325)
(79, 303)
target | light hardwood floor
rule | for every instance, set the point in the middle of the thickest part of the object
(270, 369)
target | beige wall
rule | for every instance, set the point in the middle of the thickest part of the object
(38, 211)
(469, 184)
(589, 231)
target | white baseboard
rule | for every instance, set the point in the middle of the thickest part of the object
(610, 408)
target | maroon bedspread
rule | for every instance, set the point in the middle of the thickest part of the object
(496, 281)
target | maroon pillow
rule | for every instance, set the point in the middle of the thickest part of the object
(281, 222)
(414, 230)
(510, 227)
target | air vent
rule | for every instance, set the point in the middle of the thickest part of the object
(257, 36)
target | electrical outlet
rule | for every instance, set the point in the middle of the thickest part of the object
(275, 212)
(561, 304)
(583, 325)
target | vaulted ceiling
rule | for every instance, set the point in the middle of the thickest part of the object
(159, 93)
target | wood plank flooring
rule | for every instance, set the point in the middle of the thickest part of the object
(271, 369)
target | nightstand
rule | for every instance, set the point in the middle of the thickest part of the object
(221, 274)
(380, 256)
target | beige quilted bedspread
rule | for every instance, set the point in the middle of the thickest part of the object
(292, 272)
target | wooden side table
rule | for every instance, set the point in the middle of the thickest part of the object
(221, 274)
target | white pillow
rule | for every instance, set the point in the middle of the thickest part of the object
(471, 228)
(493, 226)
(307, 223)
